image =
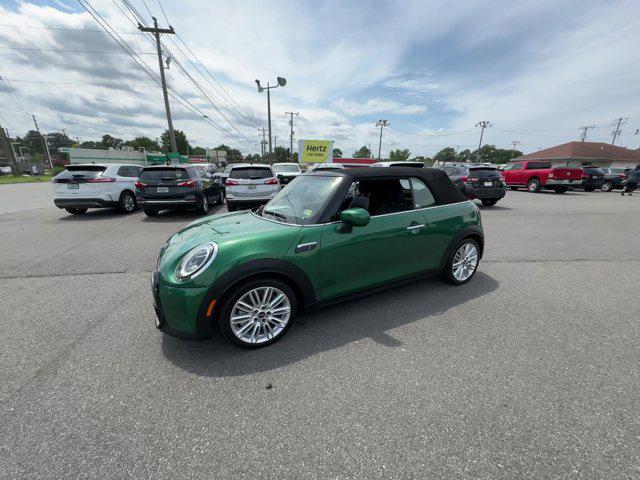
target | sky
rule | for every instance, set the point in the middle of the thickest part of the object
(538, 71)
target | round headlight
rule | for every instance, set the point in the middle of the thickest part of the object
(196, 260)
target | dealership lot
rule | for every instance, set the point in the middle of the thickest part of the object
(529, 371)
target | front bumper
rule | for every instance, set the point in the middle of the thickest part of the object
(89, 202)
(179, 310)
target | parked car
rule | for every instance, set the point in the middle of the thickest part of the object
(6, 170)
(286, 171)
(80, 187)
(592, 178)
(250, 273)
(250, 185)
(399, 164)
(478, 181)
(614, 178)
(537, 175)
(177, 188)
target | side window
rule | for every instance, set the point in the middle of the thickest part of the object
(129, 172)
(422, 196)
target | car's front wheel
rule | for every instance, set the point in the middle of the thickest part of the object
(462, 263)
(606, 187)
(534, 185)
(76, 211)
(489, 202)
(259, 313)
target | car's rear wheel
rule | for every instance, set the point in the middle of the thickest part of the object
(534, 185)
(76, 211)
(151, 212)
(606, 187)
(259, 313)
(203, 205)
(489, 202)
(127, 203)
(231, 207)
(463, 262)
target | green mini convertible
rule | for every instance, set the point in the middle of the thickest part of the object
(324, 237)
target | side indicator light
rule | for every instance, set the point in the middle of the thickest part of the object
(210, 309)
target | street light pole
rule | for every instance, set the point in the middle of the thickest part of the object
(381, 124)
(281, 83)
(291, 114)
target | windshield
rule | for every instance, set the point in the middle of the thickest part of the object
(251, 173)
(81, 171)
(285, 168)
(303, 200)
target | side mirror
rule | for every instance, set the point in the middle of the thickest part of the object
(353, 217)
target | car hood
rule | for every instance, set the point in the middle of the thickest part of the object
(240, 236)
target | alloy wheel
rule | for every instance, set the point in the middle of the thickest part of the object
(260, 315)
(465, 262)
(128, 204)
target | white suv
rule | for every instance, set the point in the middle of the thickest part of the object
(81, 187)
(250, 185)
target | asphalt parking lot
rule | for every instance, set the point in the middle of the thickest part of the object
(529, 371)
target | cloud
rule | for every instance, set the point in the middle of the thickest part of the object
(413, 84)
(375, 105)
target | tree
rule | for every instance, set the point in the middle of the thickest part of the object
(399, 155)
(233, 154)
(199, 151)
(253, 158)
(465, 155)
(111, 142)
(143, 142)
(447, 154)
(426, 160)
(281, 154)
(181, 142)
(92, 144)
(337, 153)
(363, 152)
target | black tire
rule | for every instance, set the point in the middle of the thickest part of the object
(534, 185)
(220, 199)
(489, 202)
(448, 274)
(560, 189)
(231, 207)
(76, 211)
(224, 318)
(589, 189)
(127, 203)
(606, 187)
(151, 212)
(514, 188)
(203, 205)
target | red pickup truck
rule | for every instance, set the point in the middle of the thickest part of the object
(536, 175)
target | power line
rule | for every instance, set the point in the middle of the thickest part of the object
(583, 135)
(109, 52)
(67, 29)
(442, 134)
(78, 83)
(617, 123)
(483, 124)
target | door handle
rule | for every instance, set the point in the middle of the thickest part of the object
(418, 226)
(306, 247)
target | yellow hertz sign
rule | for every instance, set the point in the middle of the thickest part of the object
(315, 151)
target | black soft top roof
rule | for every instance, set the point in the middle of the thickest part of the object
(443, 189)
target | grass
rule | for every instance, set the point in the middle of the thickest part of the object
(7, 179)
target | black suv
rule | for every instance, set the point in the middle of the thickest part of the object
(614, 177)
(592, 178)
(477, 181)
(177, 188)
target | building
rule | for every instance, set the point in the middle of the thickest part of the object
(597, 154)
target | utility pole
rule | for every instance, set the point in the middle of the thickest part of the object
(483, 124)
(8, 148)
(617, 124)
(263, 142)
(381, 124)
(281, 83)
(44, 142)
(583, 135)
(291, 114)
(513, 151)
(156, 32)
